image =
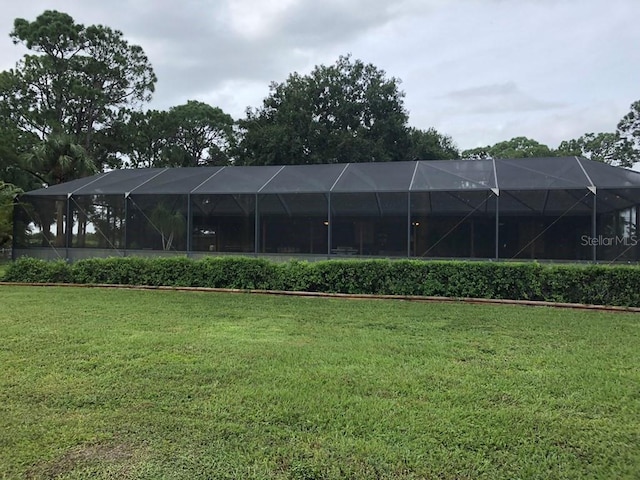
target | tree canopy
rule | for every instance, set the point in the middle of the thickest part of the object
(601, 147)
(347, 112)
(431, 145)
(629, 133)
(7, 193)
(518, 147)
(75, 82)
(621, 148)
(198, 134)
(189, 135)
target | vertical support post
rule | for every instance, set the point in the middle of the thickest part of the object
(594, 229)
(189, 225)
(329, 224)
(634, 232)
(68, 228)
(636, 224)
(409, 225)
(126, 223)
(16, 206)
(497, 252)
(256, 227)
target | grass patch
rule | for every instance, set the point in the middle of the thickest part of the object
(100, 383)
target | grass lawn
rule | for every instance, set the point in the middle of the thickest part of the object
(102, 383)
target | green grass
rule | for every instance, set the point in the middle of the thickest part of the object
(4, 264)
(101, 383)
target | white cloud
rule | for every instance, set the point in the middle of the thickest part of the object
(256, 19)
(495, 99)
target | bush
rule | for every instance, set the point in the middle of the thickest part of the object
(591, 284)
(32, 270)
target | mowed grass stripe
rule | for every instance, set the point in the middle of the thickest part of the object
(102, 383)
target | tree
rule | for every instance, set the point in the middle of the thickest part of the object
(620, 148)
(431, 145)
(518, 147)
(13, 144)
(143, 136)
(7, 194)
(602, 147)
(58, 159)
(199, 134)
(629, 132)
(188, 135)
(347, 112)
(75, 81)
(169, 223)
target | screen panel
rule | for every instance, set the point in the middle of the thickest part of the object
(369, 224)
(224, 223)
(41, 221)
(376, 177)
(453, 175)
(157, 222)
(98, 221)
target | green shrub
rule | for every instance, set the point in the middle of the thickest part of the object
(234, 272)
(591, 284)
(114, 270)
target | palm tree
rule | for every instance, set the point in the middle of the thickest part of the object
(58, 159)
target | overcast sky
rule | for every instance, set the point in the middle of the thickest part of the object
(481, 71)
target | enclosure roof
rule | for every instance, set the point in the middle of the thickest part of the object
(555, 173)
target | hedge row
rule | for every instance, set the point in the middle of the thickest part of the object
(592, 284)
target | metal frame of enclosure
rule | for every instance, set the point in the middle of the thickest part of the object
(567, 209)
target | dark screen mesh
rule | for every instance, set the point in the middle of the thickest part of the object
(454, 175)
(545, 209)
(41, 221)
(294, 204)
(119, 182)
(450, 175)
(98, 221)
(157, 222)
(372, 177)
(238, 180)
(617, 199)
(177, 180)
(304, 178)
(607, 176)
(224, 223)
(540, 174)
(68, 187)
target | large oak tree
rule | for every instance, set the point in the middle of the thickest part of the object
(347, 112)
(602, 147)
(517, 147)
(189, 135)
